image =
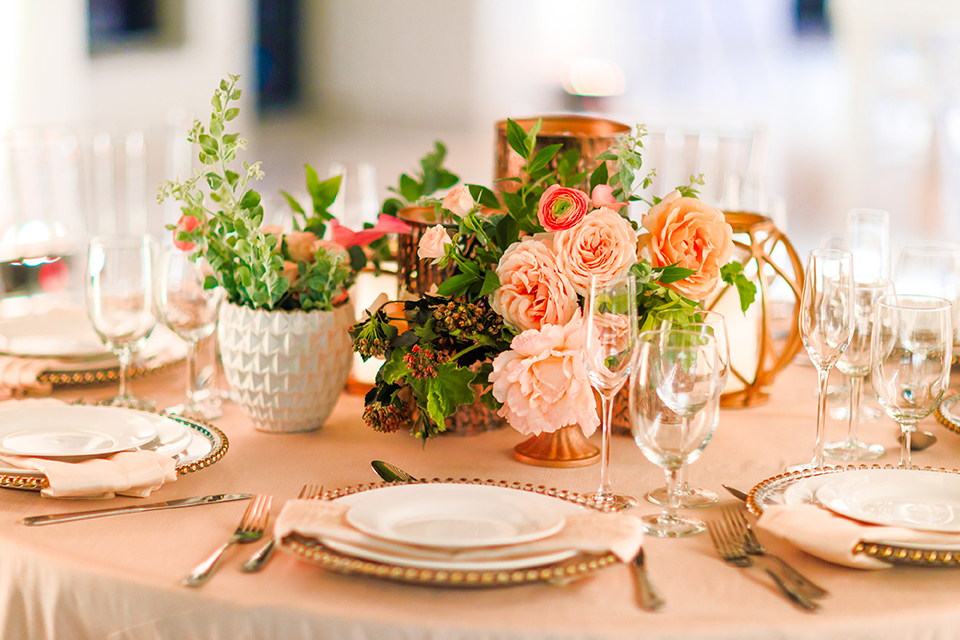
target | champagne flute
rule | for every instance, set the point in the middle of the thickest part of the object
(710, 323)
(674, 407)
(119, 301)
(826, 324)
(190, 310)
(609, 341)
(855, 364)
(912, 348)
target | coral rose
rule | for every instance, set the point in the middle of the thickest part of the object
(604, 245)
(432, 243)
(532, 292)
(300, 245)
(602, 196)
(690, 234)
(290, 271)
(458, 201)
(185, 223)
(562, 208)
(542, 382)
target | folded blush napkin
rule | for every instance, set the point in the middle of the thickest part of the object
(591, 532)
(20, 376)
(833, 537)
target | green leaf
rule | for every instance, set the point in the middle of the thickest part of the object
(674, 273)
(250, 200)
(406, 339)
(210, 283)
(231, 114)
(358, 257)
(395, 369)
(391, 206)
(230, 138)
(449, 390)
(292, 202)
(491, 282)
(214, 181)
(209, 144)
(485, 196)
(455, 286)
(599, 176)
(543, 157)
(732, 274)
(410, 189)
(531, 142)
(517, 139)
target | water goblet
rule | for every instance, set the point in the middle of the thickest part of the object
(855, 364)
(710, 323)
(609, 341)
(826, 324)
(190, 310)
(674, 407)
(119, 302)
(912, 348)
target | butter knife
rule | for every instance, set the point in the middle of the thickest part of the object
(646, 595)
(153, 506)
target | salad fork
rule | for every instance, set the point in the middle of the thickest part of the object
(250, 529)
(751, 544)
(730, 548)
(259, 560)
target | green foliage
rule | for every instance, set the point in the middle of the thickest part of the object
(732, 274)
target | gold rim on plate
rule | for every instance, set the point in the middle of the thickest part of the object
(559, 572)
(768, 492)
(35, 481)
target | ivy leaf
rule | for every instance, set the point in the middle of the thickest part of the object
(449, 390)
(732, 274)
(395, 369)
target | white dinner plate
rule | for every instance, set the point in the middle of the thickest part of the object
(172, 436)
(454, 515)
(909, 498)
(72, 431)
(64, 333)
(804, 491)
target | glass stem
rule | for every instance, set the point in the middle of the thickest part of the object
(673, 500)
(606, 418)
(125, 356)
(191, 373)
(824, 375)
(906, 429)
(683, 487)
(856, 388)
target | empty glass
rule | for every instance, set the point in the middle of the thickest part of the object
(674, 407)
(911, 353)
(190, 311)
(119, 301)
(609, 340)
(868, 240)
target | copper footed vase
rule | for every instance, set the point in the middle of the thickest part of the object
(565, 448)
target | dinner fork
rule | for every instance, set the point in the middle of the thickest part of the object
(259, 560)
(731, 551)
(751, 544)
(250, 529)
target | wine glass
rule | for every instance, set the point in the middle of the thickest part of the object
(609, 341)
(912, 348)
(674, 407)
(710, 323)
(855, 364)
(190, 310)
(119, 301)
(868, 240)
(826, 323)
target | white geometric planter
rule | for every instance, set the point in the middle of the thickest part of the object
(287, 368)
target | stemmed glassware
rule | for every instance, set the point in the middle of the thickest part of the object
(190, 311)
(911, 354)
(119, 301)
(674, 407)
(868, 240)
(710, 323)
(826, 323)
(855, 364)
(609, 341)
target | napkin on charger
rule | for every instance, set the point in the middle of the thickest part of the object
(20, 376)
(591, 532)
(832, 537)
(128, 473)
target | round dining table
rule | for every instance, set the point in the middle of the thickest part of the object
(120, 577)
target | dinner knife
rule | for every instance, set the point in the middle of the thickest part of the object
(153, 506)
(646, 595)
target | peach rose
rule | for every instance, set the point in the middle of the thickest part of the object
(691, 234)
(604, 245)
(602, 196)
(562, 208)
(542, 382)
(272, 230)
(300, 245)
(332, 247)
(432, 243)
(532, 290)
(185, 223)
(458, 201)
(290, 271)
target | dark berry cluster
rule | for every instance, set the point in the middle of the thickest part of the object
(467, 318)
(423, 361)
(371, 347)
(386, 418)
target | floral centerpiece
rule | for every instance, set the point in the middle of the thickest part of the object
(507, 326)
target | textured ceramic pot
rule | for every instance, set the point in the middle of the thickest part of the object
(286, 368)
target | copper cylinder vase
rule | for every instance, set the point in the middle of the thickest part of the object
(565, 448)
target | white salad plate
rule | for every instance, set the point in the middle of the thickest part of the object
(72, 431)
(56, 334)
(454, 515)
(909, 498)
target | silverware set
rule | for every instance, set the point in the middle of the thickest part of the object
(251, 528)
(259, 559)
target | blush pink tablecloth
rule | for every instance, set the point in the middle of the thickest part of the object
(120, 577)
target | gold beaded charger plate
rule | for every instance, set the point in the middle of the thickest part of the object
(801, 487)
(556, 567)
(947, 412)
(194, 445)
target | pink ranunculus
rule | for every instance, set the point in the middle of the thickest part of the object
(562, 208)
(690, 234)
(604, 245)
(385, 224)
(532, 292)
(432, 243)
(300, 245)
(602, 196)
(542, 382)
(458, 201)
(185, 223)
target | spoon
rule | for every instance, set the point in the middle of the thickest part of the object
(919, 440)
(391, 473)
